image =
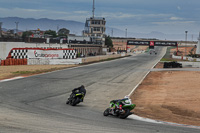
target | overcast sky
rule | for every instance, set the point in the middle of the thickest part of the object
(143, 16)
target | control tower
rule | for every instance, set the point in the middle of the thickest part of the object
(95, 28)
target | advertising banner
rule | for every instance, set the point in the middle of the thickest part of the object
(53, 54)
(38, 53)
(152, 43)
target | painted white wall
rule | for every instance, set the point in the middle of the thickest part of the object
(5, 47)
(53, 61)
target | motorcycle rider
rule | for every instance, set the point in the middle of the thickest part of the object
(80, 89)
(118, 104)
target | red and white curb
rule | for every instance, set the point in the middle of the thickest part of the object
(135, 117)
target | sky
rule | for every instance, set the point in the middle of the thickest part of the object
(137, 16)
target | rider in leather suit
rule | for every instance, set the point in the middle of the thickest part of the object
(80, 89)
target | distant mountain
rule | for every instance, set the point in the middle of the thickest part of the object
(43, 24)
(77, 28)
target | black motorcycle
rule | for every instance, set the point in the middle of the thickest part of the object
(75, 98)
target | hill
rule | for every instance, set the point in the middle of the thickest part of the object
(76, 27)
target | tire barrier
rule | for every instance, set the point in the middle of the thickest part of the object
(172, 64)
(11, 61)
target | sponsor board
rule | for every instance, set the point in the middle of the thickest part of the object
(38, 53)
(152, 43)
(55, 54)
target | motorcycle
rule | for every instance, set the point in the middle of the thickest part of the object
(120, 109)
(75, 99)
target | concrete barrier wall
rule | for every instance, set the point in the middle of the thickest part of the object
(53, 61)
(185, 58)
(5, 47)
(103, 57)
(190, 64)
(72, 61)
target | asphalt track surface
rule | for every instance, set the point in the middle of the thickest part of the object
(37, 104)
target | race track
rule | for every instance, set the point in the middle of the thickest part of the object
(37, 104)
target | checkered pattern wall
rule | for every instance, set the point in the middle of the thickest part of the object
(69, 54)
(23, 53)
(19, 54)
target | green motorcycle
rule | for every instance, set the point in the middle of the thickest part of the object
(120, 108)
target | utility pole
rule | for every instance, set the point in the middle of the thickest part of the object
(93, 9)
(1, 29)
(185, 41)
(112, 32)
(126, 41)
(17, 28)
(126, 33)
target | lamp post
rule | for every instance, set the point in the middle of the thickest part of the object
(16, 28)
(126, 33)
(185, 41)
(126, 41)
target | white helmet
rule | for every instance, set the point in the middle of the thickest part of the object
(126, 96)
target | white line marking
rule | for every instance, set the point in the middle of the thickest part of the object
(4, 80)
(144, 77)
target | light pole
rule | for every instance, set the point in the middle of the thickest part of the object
(185, 41)
(126, 41)
(126, 33)
(16, 28)
(0, 28)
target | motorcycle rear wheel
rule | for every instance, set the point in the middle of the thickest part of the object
(125, 115)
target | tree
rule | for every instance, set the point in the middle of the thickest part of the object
(51, 32)
(108, 42)
(63, 32)
(26, 34)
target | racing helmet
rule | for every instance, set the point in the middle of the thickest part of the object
(127, 99)
(126, 96)
(82, 86)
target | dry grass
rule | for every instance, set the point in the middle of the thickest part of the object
(25, 70)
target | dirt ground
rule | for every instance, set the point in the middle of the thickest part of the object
(184, 50)
(171, 96)
(167, 96)
(25, 70)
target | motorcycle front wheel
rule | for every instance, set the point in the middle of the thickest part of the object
(75, 101)
(106, 112)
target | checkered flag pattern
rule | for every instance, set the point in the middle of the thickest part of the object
(19, 54)
(69, 54)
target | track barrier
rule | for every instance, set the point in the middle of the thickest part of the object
(11, 61)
